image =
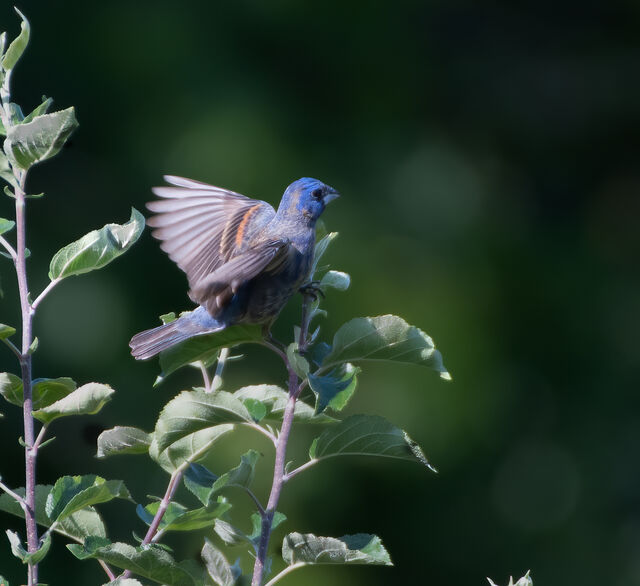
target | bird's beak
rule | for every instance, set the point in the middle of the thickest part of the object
(330, 196)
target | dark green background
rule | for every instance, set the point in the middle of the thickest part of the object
(487, 153)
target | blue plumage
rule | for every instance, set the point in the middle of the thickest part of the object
(242, 258)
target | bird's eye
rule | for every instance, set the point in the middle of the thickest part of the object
(317, 193)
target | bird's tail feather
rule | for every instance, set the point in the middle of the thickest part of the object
(148, 343)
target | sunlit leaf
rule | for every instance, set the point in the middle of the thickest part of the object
(6, 331)
(6, 225)
(72, 493)
(348, 549)
(85, 400)
(386, 337)
(180, 518)
(524, 581)
(77, 526)
(32, 142)
(150, 562)
(97, 248)
(122, 582)
(336, 280)
(321, 248)
(44, 391)
(18, 45)
(123, 440)
(366, 435)
(192, 411)
(40, 110)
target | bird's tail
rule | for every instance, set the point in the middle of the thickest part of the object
(151, 342)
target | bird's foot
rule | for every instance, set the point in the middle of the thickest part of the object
(312, 289)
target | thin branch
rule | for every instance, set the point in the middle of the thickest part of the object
(258, 504)
(108, 570)
(284, 572)
(263, 431)
(205, 377)
(13, 494)
(13, 347)
(222, 361)
(300, 468)
(44, 293)
(12, 252)
(36, 444)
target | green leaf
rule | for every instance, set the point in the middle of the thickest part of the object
(335, 388)
(150, 562)
(257, 409)
(6, 225)
(45, 391)
(205, 347)
(6, 331)
(298, 548)
(123, 440)
(192, 411)
(77, 526)
(33, 142)
(256, 524)
(366, 435)
(21, 553)
(199, 481)
(275, 400)
(40, 110)
(5, 171)
(97, 248)
(524, 581)
(231, 535)
(121, 582)
(11, 388)
(217, 565)
(72, 493)
(336, 279)
(180, 518)
(86, 400)
(18, 45)
(190, 448)
(299, 363)
(4, 581)
(241, 476)
(386, 337)
(320, 249)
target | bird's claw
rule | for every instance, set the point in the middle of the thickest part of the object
(313, 290)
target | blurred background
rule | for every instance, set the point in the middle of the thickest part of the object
(487, 154)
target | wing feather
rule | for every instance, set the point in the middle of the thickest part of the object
(198, 224)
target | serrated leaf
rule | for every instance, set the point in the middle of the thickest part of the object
(40, 110)
(85, 400)
(150, 562)
(6, 225)
(6, 331)
(524, 581)
(217, 565)
(348, 549)
(366, 435)
(72, 493)
(77, 526)
(45, 391)
(180, 518)
(386, 337)
(335, 388)
(18, 45)
(229, 534)
(123, 440)
(204, 348)
(97, 248)
(33, 142)
(190, 448)
(192, 411)
(336, 280)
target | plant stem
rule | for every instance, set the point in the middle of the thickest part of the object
(25, 364)
(279, 475)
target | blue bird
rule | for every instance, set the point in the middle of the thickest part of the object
(243, 259)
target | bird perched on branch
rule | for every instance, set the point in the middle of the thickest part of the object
(243, 259)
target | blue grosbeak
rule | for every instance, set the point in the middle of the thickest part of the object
(243, 259)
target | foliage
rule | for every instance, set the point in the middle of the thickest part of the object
(189, 426)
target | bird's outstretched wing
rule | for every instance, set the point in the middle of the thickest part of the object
(201, 226)
(216, 289)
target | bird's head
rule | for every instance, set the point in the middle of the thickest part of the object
(307, 197)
